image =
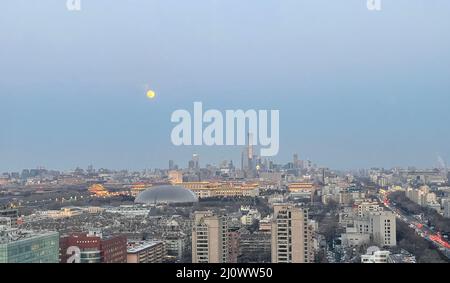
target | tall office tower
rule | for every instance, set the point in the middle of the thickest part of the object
(296, 161)
(196, 159)
(383, 228)
(233, 246)
(209, 238)
(244, 160)
(250, 145)
(291, 238)
(171, 165)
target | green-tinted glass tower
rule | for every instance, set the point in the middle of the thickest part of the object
(30, 248)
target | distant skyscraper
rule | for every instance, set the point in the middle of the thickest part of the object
(171, 165)
(296, 161)
(244, 160)
(250, 146)
(195, 162)
(12, 214)
(209, 238)
(248, 160)
(291, 238)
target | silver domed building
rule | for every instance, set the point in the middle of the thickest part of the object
(166, 194)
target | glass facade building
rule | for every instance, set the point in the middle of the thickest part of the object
(30, 248)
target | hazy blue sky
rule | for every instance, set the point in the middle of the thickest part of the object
(354, 88)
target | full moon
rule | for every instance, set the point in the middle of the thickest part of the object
(151, 94)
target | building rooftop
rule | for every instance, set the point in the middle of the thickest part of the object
(10, 235)
(134, 247)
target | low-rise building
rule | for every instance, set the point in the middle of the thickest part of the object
(222, 189)
(352, 238)
(64, 212)
(146, 252)
(250, 217)
(376, 226)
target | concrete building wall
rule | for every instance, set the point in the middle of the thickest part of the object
(384, 228)
(291, 239)
(209, 238)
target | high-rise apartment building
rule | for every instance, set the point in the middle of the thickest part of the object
(175, 244)
(291, 235)
(233, 246)
(248, 159)
(209, 238)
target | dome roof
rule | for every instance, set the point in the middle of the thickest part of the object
(166, 194)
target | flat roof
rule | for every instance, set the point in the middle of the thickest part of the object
(139, 246)
(15, 235)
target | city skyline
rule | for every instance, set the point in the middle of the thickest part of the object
(184, 164)
(349, 94)
(224, 139)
